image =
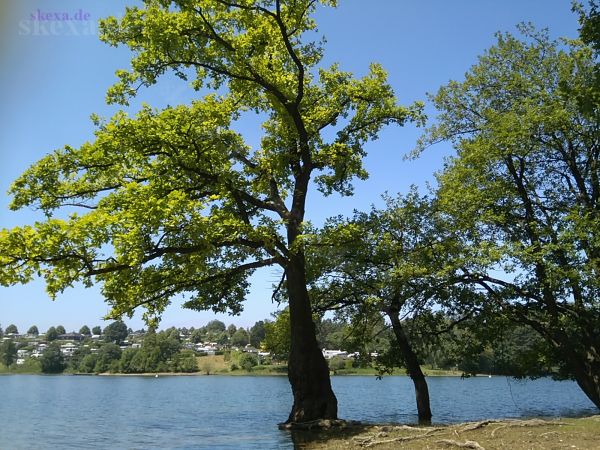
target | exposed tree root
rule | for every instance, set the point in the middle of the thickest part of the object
(469, 426)
(524, 423)
(372, 441)
(466, 444)
(382, 437)
(321, 424)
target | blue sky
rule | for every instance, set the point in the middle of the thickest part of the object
(55, 73)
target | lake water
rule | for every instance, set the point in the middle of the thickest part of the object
(221, 412)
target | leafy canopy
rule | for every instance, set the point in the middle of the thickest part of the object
(174, 201)
(525, 186)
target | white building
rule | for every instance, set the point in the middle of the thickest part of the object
(328, 354)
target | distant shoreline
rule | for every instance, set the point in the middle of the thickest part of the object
(236, 373)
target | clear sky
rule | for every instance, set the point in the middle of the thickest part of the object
(55, 73)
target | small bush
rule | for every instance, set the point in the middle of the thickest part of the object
(248, 361)
(337, 363)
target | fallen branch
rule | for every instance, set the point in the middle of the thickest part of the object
(470, 426)
(525, 423)
(466, 444)
(371, 441)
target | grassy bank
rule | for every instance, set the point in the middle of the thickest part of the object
(534, 434)
(216, 365)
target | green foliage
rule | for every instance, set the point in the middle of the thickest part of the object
(277, 336)
(524, 188)
(51, 334)
(60, 329)
(214, 327)
(247, 361)
(11, 329)
(33, 331)
(108, 354)
(77, 357)
(8, 352)
(180, 203)
(589, 19)
(158, 353)
(333, 334)
(115, 332)
(97, 331)
(257, 333)
(399, 261)
(231, 329)
(184, 361)
(240, 338)
(88, 363)
(85, 330)
(52, 360)
(197, 336)
(337, 363)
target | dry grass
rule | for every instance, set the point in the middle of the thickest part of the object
(534, 434)
(212, 363)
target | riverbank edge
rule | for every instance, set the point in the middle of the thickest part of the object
(516, 434)
(236, 373)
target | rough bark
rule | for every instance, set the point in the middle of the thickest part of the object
(588, 380)
(584, 365)
(307, 369)
(414, 369)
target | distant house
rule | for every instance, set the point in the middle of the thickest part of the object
(250, 349)
(20, 361)
(23, 353)
(39, 350)
(71, 337)
(328, 354)
(68, 349)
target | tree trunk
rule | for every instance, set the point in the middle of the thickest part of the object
(588, 380)
(307, 369)
(583, 362)
(414, 369)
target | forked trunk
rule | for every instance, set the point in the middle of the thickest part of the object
(414, 369)
(307, 369)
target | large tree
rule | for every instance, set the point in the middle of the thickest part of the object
(115, 332)
(401, 261)
(257, 333)
(51, 334)
(174, 202)
(52, 360)
(8, 352)
(525, 186)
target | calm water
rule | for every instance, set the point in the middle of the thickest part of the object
(219, 412)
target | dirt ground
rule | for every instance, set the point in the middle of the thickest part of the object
(533, 434)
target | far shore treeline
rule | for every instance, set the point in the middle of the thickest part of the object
(262, 349)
